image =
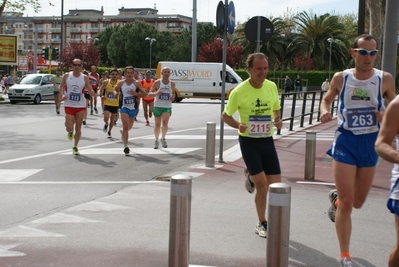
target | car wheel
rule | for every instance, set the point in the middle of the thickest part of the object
(13, 102)
(37, 99)
(178, 99)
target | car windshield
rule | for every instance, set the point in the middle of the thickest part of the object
(31, 79)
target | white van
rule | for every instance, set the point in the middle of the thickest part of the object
(199, 79)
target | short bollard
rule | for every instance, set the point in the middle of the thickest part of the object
(278, 225)
(310, 155)
(210, 144)
(179, 221)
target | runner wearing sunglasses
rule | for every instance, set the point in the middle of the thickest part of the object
(362, 91)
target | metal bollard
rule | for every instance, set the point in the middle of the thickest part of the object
(179, 221)
(278, 225)
(310, 155)
(210, 144)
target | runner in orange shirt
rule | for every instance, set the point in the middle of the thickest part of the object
(148, 101)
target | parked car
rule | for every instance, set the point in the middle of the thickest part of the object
(32, 88)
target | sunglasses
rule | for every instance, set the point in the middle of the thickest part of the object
(365, 52)
(77, 65)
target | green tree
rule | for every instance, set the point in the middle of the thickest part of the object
(116, 45)
(104, 38)
(20, 5)
(312, 36)
(137, 49)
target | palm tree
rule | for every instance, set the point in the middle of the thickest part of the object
(311, 39)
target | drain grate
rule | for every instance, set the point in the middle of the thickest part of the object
(164, 178)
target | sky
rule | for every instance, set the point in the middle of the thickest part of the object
(206, 9)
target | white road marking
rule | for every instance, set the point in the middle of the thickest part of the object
(196, 137)
(315, 183)
(24, 231)
(91, 146)
(193, 174)
(63, 218)
(80, 182)
(135, 151)
(202, 166)
(6, 252)
(12, 175)
(97, 206)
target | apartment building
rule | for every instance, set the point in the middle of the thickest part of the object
(81, 25)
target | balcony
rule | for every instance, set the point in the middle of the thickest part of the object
(94, 29)
(56, 41)
(55, 30)
(28, 41)
(75, 29)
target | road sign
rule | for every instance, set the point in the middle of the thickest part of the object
(231, 17)
(220, 23)
(265, 29)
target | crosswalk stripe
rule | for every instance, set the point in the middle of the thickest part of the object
(134, 151)
(12, 175)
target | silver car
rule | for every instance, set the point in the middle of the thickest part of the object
(32, 88)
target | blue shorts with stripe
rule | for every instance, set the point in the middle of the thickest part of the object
(354, 149)
(131, 112)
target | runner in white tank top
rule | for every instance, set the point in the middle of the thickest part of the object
(360, 110)
(131, 89)
(163, 91)
(72, 88)
(390, 131)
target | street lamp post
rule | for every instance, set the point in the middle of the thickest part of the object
(330, 40)
(151, 40)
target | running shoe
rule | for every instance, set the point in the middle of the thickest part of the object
(95, 110)
(70, 136)
(150, 114)
(156, 145)
(91, 112)
(333, 195)
(147, 123)
(57, 111)
(164, 144)
(105, 128)
(75, 151)
(84, 122)
(261, 229)
(126, 150)
(345, 262)
(249, 185)
(109, 134)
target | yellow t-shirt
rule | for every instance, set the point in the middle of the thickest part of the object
(255, 107)
(110, 99)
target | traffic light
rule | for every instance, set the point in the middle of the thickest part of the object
(45, 52)
(56, 53)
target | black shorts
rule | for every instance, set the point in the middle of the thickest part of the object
(260, 155)
(87, 96)
(111, 109)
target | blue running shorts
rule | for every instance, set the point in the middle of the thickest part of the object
(353, 149)
(132, 112)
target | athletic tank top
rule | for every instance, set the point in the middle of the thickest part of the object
(147, 87)
(358, 101)
(74, 91)
(93, 80)
(164, 100)
(110, 99)
(128, 100)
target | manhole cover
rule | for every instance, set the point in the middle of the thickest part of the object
(164, 178)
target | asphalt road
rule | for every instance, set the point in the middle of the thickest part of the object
(105, 209)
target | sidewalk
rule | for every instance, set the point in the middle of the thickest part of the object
(134, 228)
